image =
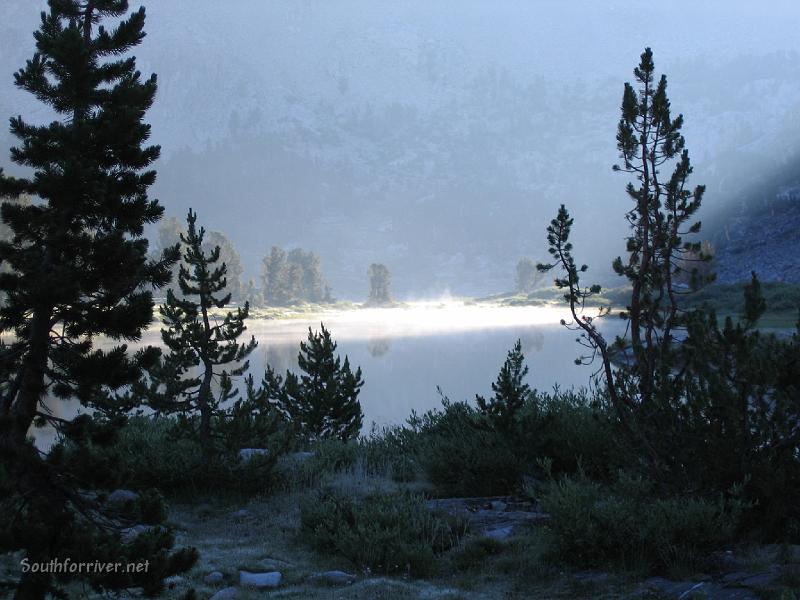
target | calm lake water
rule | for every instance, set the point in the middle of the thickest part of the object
(404, 353)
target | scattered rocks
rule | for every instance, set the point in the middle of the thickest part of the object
(332, 578)
(495, 517)
(228, 593)
(260, 580)
(213, 578)
(246, 454)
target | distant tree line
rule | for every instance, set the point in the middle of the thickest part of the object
(287, 278)
(293, 277)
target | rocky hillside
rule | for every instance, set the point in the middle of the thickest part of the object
(763, 237)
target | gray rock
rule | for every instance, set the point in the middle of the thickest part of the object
(332, 578)
(241, 514)
(500, 534)
(499, 505)
(119, 499)
(131, 533)
(172, 581)
(213, 578)
(229, 593)
(245, 454)
(260, 580)
(687, 590)
(751, 580)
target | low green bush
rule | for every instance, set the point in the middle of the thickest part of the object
(573, 431)
(391, 533)
(462, 455)
(475, 551)
(148, 454)
(626, 525)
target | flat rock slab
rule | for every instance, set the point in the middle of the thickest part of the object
(332, 578)
(260, 580)
(496, 517)
(752, 580)
(688, 590)
(229, 593)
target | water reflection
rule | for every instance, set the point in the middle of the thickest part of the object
(379, 346)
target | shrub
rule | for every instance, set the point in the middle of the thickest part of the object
(392, 451)
(475, 551)
(381, 533)
(150, 455)
(572, 430)
(327, 457)
(625, 524)
(462, 455)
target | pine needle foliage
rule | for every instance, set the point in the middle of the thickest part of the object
(204, 351)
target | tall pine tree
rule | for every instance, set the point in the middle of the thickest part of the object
(199, 342)
(77, 268)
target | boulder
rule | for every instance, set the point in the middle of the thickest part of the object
(260, 580)
(120, 500)
(241, 514)
(228, 593)
(246, 454)
(213, 578)
(332, 578)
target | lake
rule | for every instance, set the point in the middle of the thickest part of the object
(405, 353)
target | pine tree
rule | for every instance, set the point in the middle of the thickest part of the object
(379, 282)
(274, 277)
(510, 392)
(77, 268)
(321, 403)
(649, 141)
(198, 341)
(232, 260)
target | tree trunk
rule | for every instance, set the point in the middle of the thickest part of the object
(30, 384)
(204, 404)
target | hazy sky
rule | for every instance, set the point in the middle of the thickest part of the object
(438, 136)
